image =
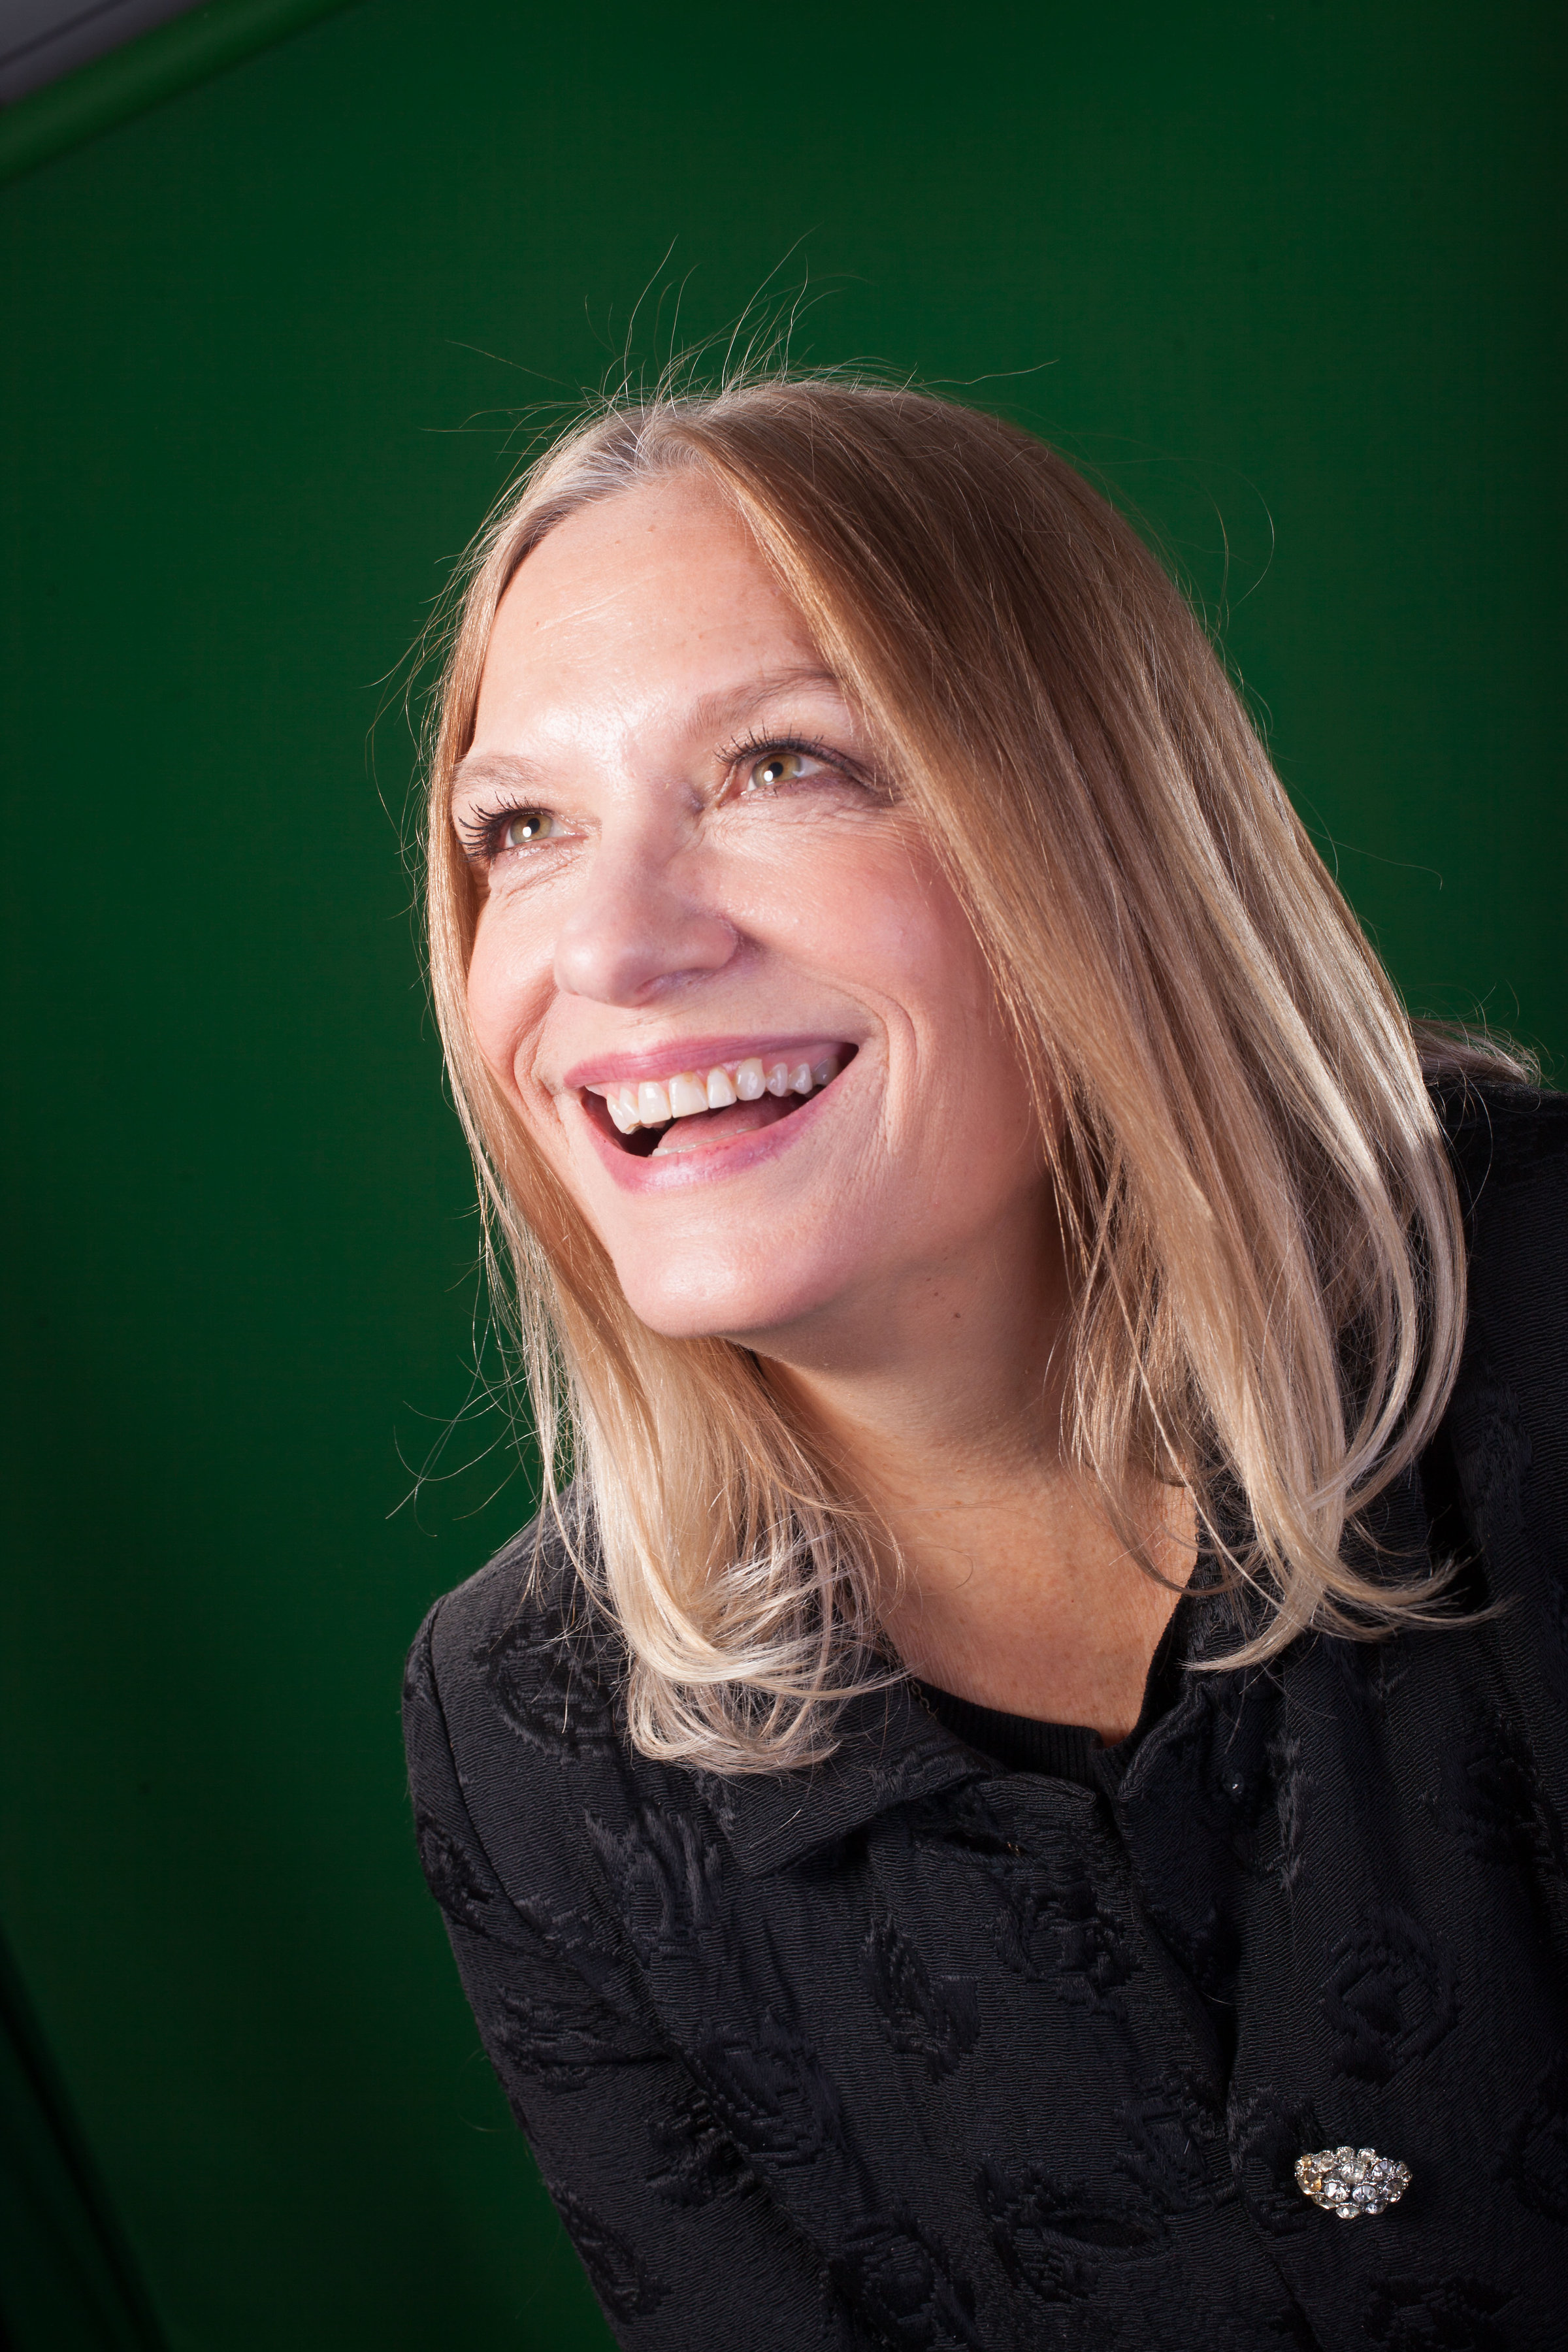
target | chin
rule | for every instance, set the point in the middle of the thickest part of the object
(704, 1305)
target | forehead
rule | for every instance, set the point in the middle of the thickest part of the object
(667, 568)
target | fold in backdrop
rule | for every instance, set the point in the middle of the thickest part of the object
(1287, 277)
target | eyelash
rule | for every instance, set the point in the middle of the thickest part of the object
(754, 748)
(482, 834)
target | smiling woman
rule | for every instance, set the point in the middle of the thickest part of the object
(986, 1247)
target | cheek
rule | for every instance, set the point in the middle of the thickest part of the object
(899, 931)
(508, 996)
(490, 1003)
(972, 1126)
(874, 911)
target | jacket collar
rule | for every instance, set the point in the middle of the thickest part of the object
(892, 1752)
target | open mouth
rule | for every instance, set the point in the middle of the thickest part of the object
(692, 1111)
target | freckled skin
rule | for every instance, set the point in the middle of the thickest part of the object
(892, 1248)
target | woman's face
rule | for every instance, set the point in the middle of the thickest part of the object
(703, 910)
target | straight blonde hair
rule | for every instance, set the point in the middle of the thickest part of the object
(1262, 1225)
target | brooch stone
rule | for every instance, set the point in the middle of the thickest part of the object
(1350, 2181)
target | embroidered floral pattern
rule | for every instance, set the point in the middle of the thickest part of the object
(896, 2278)
(1057, 1926)
(561, 2036)
(696, 2159)
(1490, 1797)
(1536, 2163)
(771, 2093)
(451, 1874)
(934, 2020)
(545, 1688)
(1452, 2314)
(669, 1874)
(623, 2282)
(1292, 1800)
(1168, 2128)
(1390, 1996)
(1052, 2236)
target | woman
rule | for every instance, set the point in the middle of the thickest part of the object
(1038, 1716)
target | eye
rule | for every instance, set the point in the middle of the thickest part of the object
(488, 835)
(782, 765)
(525, 825)
(778, 768)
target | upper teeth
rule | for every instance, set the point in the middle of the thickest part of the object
(656, 1101)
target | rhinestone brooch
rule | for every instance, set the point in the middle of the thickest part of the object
(1350, 2181)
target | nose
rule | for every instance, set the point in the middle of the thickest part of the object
(638, 931)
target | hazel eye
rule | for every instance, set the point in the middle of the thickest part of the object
(779, 768)
(528, 825)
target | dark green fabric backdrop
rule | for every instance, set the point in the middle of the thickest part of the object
(1288, 275)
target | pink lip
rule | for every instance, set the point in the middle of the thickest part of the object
(690, 1054)
(709, 1161)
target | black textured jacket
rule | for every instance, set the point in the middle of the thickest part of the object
(918, 2051)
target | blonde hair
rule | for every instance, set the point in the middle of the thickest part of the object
(1262, 1225)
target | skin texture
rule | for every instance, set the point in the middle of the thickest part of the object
(890, 1248)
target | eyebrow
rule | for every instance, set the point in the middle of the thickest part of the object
(729, 706)
(502, 770)
(715, 713)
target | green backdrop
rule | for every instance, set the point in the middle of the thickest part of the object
(1288, 275)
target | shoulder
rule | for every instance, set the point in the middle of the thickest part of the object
(520, 1657)
(1509, 1151)
(522, 1647)
(512, 1716)
(1509, 1148)
(1506, 1424)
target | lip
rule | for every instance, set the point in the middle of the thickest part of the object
(679, 1054)
(712, 1162)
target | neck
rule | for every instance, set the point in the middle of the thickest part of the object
(1008, 1583)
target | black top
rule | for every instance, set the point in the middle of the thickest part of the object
(1065, 1750)
(923, 2050)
